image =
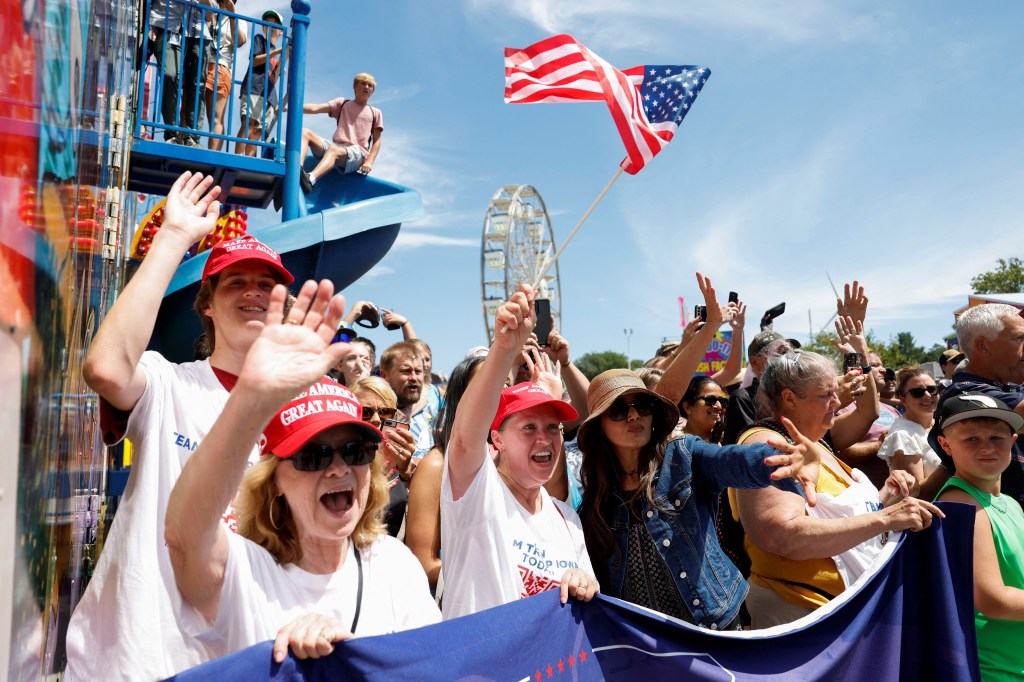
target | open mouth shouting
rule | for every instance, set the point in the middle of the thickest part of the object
(338, 501)
(543, 458)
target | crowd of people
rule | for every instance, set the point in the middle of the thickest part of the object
(290, 485)
(195, 50)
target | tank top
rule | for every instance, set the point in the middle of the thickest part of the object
(809, 583)
(1000, 655)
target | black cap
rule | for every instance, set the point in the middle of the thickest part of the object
(974, 405)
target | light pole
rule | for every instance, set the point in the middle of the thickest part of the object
(629, 360)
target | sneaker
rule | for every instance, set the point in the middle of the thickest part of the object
(171, 139)
(279, 195)
(305, 182)
(191, 142)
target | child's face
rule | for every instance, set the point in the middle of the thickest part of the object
(980, 448)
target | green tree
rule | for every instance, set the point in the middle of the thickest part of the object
(592, 364)
(1007, 278)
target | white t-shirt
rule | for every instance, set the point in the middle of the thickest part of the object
(125, 627)
(495, 552)
(260, 596)
(910, 438)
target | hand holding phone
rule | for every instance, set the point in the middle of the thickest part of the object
(853, 362)
(542, 311)
(700, 311)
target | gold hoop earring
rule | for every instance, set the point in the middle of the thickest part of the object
(275, 526)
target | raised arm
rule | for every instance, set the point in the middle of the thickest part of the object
(730, 373)
(112, 364)
(851, 427)
(576, 382)
(322, 108)
(285, 359)
(391, 318)
(684, 365)
(467, 448)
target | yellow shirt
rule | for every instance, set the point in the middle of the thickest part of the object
(805, 582)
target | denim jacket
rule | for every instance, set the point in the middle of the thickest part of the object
(682, 525)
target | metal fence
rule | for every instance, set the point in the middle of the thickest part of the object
(189, 49)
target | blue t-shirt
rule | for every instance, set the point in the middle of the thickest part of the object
(262, 84)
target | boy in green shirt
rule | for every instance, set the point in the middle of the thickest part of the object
(978, 433)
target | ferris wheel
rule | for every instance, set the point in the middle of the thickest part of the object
(517, 244)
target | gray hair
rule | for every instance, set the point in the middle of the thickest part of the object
(982, 320)
(798, 370)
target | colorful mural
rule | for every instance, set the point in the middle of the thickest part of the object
(68, 71)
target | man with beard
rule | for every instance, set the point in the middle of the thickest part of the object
(401, 365)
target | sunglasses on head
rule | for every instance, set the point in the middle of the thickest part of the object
(643, 404)
(712, 400)
(317, 457)
(921, 390)
(344, 335)
(384, 412)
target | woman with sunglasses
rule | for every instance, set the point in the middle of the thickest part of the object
(311, 564)
(703, 405)
(906, 447)
(503, 537)
(803, 558)
(649, 507)
(380, 403)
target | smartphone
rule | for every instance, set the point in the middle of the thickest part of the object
(700, 311)
(853, 361)
(542, 311)
(775, 311)
(394, 424)
(734, 297)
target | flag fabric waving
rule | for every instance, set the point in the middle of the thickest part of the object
(647, 103)
(912, 617)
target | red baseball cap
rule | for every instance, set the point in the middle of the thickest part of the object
(244, 248)
(526, 395)
(325, 404)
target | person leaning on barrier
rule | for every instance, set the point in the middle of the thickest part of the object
(258, 93)
(804, 557)
(311, 564)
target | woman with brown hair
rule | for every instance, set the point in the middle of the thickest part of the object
(649, 507)
(906, 446)
(311, 564)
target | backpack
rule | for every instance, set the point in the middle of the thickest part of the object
(374, 119)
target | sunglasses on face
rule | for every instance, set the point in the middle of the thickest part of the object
(921, 390)
(384, 412)
(344, 335)
(317, 457)
(643, 404)
(712, 400)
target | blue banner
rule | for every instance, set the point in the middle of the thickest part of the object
(912, 619)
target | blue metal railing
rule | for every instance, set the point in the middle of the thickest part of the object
(196, 37)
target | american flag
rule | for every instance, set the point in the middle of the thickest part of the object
(646, 102)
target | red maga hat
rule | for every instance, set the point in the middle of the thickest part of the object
(244, 248)
(323, 405)
(526, 395)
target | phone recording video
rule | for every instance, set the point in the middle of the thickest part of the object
(394, 424)
(542, 311)
(853, 362)
(701, 311)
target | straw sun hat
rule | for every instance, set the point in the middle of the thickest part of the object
(606, 388)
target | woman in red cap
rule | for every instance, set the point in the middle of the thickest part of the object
(502, 536)
(165, 409)
(312, 563)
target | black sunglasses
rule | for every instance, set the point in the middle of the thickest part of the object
(619, 410)
(317, 457)
(384, 412)
(712, 400)
(344, 335)
(921, 390)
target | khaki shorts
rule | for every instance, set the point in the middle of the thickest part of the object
(350, 156)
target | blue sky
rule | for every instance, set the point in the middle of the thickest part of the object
(878, 141)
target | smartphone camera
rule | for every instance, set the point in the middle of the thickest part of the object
(853, 362)
(701, 311)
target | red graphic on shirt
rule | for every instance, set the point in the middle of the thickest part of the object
(535, 584)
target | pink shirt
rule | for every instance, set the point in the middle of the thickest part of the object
(355, 122)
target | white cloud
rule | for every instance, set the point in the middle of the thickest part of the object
(377, 271)
(622, 24)
(413, 239)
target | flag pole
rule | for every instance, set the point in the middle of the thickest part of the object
(551, 261)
